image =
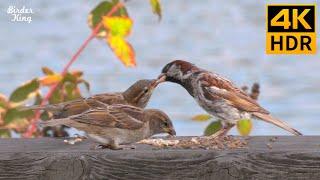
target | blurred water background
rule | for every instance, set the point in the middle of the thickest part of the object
(227, 37)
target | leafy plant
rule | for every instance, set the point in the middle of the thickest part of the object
(114, 26)
(13, 118)
(110, 21)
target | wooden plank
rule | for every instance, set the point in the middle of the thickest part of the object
(47, 158)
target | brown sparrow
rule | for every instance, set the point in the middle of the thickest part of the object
(136, 95)
(218, 96)
(115, 126)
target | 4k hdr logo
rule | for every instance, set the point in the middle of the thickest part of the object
(291, 29)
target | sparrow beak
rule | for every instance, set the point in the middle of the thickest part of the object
(161, 78)
(171, 131)
(154, 84)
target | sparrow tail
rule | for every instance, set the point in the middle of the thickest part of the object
(54, 122)
(268, 118)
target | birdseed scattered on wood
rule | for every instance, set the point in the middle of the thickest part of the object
(269, 146)
(159, 142)
(73, 140)
(227, 142)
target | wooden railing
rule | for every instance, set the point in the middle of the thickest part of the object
(287, 157)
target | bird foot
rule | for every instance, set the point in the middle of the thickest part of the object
(215, 136)
(100, 146)
(127, 147)
(221, 133)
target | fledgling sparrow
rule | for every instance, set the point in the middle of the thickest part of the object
(116, 126)
(136, 95)
(218, 96)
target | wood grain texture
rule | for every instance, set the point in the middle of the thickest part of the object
(44, 158)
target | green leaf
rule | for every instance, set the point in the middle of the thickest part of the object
(44, 115)
(4, 133)
(38, 99)
(23, 92)
(95, 16)
(47, 71)
(244, 127)
(16, 114)
(156, 8)
(201, 117)
(57, 96)
(69, 88)
(213, 128)
(71, 92)
(70, 78)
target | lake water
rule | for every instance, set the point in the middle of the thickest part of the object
(227, 37)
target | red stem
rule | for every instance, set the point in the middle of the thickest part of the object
(32, 127)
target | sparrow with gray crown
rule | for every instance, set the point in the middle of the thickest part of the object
(218, 96)
(116, 126)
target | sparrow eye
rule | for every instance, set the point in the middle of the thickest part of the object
(166, 124)
(145, 90)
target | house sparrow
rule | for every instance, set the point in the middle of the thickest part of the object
(115, 126)
(136, 95)
(218, 96)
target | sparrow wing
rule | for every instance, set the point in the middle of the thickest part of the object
(217, 87)
(81, 105)
(108, 98)
(112, 117)
(72, 107)
(99, 100)
(65, 109)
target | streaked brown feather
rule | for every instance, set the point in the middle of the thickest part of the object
(81, 105)
(112, 117)
(109, 98)
(233, 95)
(137, 95)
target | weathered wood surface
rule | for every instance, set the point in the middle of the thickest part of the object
(48, 158)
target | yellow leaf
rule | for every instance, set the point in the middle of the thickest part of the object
(117, 26)
(156, 7)
(201, 117)
(123, 50)
(102, 9)
(244, 127)
(50, 79)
